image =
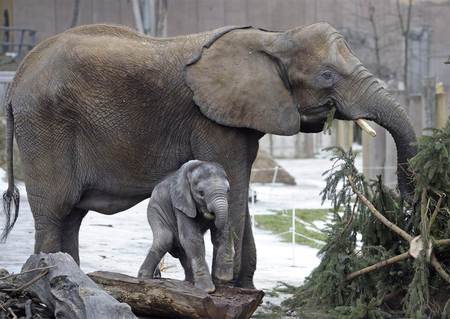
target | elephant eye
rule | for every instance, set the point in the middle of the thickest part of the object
(327, 75)
(201, 193)
(326, 79)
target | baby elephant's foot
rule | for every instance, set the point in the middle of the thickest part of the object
(205, 284)
(157, 273)
(223, 275)
(146, 274)
(143, 274)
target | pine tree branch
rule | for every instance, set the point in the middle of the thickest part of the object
(378, 215)
(435, 212)
(378, 265)
(436, 264)
(442, 242)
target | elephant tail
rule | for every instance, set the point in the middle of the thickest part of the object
(11, 196)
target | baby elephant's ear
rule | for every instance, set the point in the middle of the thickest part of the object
(180, 190)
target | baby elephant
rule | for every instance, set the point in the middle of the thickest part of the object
(182, 207)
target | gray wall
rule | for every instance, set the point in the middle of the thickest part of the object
(49, 17)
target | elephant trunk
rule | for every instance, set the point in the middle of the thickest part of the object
(374, 102)
(219, 206)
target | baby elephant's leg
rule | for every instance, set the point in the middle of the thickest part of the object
(162, 243)
(188, 274)
(191, 240)
(222, 265)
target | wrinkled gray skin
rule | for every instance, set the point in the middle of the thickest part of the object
(182, 207)
(101, 114)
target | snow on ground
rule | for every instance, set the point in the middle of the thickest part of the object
(120, 242)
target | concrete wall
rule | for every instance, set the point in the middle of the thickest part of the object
(49, 17)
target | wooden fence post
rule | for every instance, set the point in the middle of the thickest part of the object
(441, 106)
(429, 103)
(416, 113)
(344, 134)
(374, 152)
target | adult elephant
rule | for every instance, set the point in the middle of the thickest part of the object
(102, 113)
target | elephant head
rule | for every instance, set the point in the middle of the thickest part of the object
(202, 187)
(287, 82)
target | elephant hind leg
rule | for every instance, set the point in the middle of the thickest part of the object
(162, 243)
(50, 225)
(71, 229)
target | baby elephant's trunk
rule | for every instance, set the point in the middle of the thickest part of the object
(219, 206)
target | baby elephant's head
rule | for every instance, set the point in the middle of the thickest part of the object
(202, 187)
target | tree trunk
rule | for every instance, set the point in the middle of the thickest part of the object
(67, 291)
(178, 299)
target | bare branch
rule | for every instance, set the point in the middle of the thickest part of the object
(439, 268)
(28, 284)
(378, 215)
(435, 212)
(27, 271)
(378, 265)
(375, 39)
(442, 242)
(400, 17)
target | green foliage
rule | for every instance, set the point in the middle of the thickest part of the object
(356, 239)
(432, 163)
(431, 166)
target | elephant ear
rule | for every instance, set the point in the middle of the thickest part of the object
(180, 190)
(237, 82)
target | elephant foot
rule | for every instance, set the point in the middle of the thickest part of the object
(248, 284)
(142, 274)
(157, 273)
(145, 274)
(224, 276)
(206, 285)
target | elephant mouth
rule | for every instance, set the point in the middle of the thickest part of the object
(209, 215)
(321, 113)
(359, 120)
(322, 110)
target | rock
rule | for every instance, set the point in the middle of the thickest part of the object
(263, 171)
(68, 292)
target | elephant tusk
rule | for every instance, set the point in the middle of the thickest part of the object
(366, 127)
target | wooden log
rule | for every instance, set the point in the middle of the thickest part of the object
(172, 298)
(67, 291)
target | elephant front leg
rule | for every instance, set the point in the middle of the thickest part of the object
(191, 240)
(235, 150)
(222, 265)
(248, 260)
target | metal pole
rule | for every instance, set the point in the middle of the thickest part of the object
(275, 175)
(293, 237)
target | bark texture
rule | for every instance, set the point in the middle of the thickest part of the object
(68, 292)
(171, 298)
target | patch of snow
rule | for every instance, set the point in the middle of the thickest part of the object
(320, 224)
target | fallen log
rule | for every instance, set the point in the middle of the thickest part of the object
(170, 298)
(67, 291)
